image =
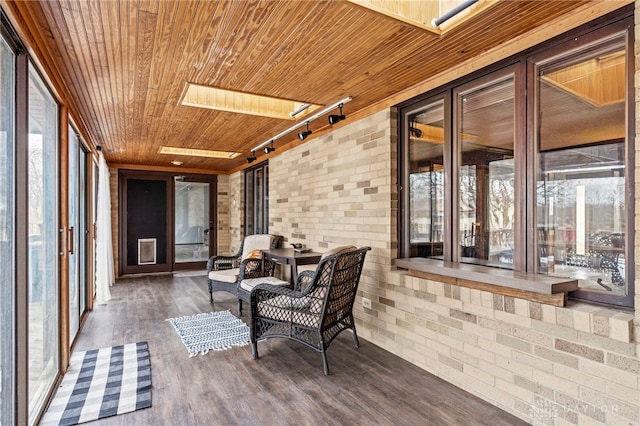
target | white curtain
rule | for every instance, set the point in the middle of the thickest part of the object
(104, 246)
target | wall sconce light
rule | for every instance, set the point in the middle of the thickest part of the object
(303, 135)
(268, 149)
(333, 119)
(252, 158)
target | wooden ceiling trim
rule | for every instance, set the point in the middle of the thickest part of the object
(169, 169)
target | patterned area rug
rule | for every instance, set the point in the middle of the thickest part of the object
(102, 383)
(215, 330)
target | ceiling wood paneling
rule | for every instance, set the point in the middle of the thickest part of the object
(126, 64)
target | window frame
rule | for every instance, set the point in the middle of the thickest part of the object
(568, 49)
(256, 214)
(525, 149)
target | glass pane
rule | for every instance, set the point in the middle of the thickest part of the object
(258, 201)
(74, 276)
(249, 205)
(426, 181)
(581, 176)
(43, 241)
(7, 229)
(83, 229)
(191, 221)
(485, 137)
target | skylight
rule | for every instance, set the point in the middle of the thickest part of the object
(423, 14)
(198, 152)
(245, 103)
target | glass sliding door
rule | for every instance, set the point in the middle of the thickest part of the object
(192, 220)
(42, 222)
(72, 237)
(78, 231)
(83, 226)
(7, 232)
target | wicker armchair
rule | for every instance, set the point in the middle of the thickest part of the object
(225, 273)
(316, 310)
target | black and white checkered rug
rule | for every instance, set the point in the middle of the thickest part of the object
(102, 383)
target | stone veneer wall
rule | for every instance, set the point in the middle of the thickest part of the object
(544, 364)
(223, 217)
(236, 202)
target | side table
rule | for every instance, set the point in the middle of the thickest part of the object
(288, 256)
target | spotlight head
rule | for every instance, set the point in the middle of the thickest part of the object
(414, 131)
(251, 158)
(268, 149)
(303, 135)
(333, 119)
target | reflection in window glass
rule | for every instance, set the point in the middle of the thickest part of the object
(43, 238)
(581, 178)
(7, 215)
(486, 210)
(426, 181)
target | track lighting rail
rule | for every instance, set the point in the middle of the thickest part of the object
(303, 123)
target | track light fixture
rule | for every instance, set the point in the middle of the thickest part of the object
(268, 149)
(308, 119)
(252, 158)
(414, 131)
(333, 119)
(303, 135)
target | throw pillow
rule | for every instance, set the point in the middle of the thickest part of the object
(254, 254)
(253, 265)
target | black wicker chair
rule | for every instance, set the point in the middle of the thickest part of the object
(316, 310)
(225, 273)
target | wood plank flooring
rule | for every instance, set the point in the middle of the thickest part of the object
(285, 386)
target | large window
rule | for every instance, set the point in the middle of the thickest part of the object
(526, 166)
(581, 180)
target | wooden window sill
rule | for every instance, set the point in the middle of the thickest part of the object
(528, 286)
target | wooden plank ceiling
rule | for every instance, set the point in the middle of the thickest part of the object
(126, 64)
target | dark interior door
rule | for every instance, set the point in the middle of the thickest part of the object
(146, 210)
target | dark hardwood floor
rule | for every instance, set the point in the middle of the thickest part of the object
(285, 386)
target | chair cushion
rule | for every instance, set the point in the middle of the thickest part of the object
(269, 309)
(338, 250)
(226, 275)
(256, 242)
(290, 302)
(249, 284)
